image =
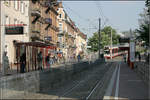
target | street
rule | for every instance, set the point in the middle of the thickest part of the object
(110, 80)
(61, 49)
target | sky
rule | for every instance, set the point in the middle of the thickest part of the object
(121, 15)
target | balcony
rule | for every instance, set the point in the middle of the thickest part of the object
(61, 45)
(147, 3)
(48, 21)
(35, 30)
(45, 3)
(55, 28)
(73, 46)
(61, 33)
(36, 12)
(34, 1)
(35, 37)
(41, 20)
(69, 35)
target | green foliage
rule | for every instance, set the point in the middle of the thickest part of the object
(105, 38)
(93, 42)
(143, 31)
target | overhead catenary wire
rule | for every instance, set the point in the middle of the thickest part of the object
(81, 17)
(106, 19)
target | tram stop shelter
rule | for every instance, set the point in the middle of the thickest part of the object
(31, 49)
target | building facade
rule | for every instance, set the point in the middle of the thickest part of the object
(43, 21)
(66, 35)
(15, 25)
(72, 40)
(81, 43)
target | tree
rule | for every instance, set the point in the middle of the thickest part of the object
(143, 31)
(105, 38)
(93, 42)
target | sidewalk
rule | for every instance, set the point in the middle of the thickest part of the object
(57, 65)
(125, 84)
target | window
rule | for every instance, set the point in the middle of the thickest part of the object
(18, 22)
(15, 21)
(7, 2)
(16, 5)
(60, 27)
(60, 39)
(21, 22)
(59, 15)
(7, 20)
(22, 7)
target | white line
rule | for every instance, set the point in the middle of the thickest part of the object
(117, 85)
(110, 86)
(93, 90)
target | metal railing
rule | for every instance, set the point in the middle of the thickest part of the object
(142, 69)
(15, 68)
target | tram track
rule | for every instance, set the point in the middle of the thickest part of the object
(84, 89)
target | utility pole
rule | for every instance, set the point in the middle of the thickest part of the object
(99, 37)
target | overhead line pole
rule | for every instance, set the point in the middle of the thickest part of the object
(99, 37)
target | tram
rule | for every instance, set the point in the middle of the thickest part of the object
(116, 51)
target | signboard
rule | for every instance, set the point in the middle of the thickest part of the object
(89, 47)
(14, 30)
(123, 40)
(132, 51)
(49, 38)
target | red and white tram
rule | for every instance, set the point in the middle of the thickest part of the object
(116, 51)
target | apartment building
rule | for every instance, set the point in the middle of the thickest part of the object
(62, 34)
(67, 33)
(71, 38)
(14, 25)
(81, 43)
(43, 21)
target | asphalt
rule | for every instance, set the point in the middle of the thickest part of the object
(126, 84)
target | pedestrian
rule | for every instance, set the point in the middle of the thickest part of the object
(39, 58)
(22, 63)
(124, 58)
(51, 60)
(48, 60)
(78, 57)
(139, 57)
(6, 63)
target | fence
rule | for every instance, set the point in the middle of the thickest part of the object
(142, 69)
(15, 68)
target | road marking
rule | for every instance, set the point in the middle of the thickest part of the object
(110, 86)
(117, 85)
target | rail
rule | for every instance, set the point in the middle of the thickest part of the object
(84, 82)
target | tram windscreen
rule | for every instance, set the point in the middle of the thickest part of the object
(107, 52)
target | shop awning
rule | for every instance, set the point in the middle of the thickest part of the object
(36, 44)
